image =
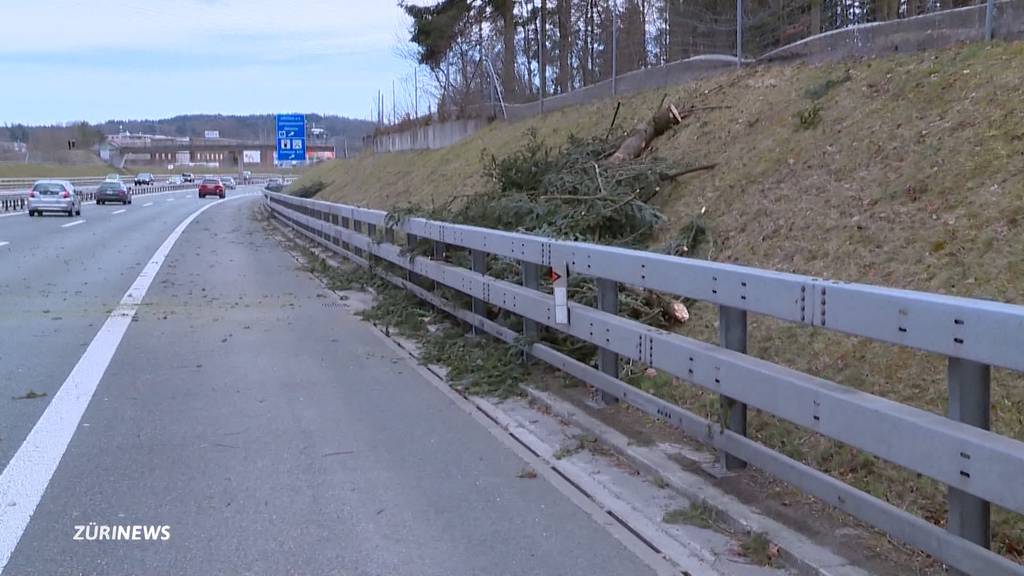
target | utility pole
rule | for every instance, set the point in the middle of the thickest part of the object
(739, 33)
(990, 8)
(416, 92)
(394, 104)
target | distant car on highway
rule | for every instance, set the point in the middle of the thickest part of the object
(54, 196)
(113, 178)
(275, 185)
(113, 192)
(229, 183)
(211, 187)
(174, 180)
(145, 178)
(188, 177)
(246, 176)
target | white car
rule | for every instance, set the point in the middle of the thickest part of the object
(174, 180)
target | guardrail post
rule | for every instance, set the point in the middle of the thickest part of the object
(411, 240)
(357, 227)
(608, 361)
(969, 384)
(371, 231)
(478, 262)
(531, 280)
(346, 224)
(732, 334)
(438, 255)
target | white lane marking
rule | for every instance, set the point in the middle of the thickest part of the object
(121, 211)
(170, 199)
(149, 204)
(70, 224)
(28, 473)
(4, 243)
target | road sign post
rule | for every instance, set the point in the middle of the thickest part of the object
(560, 287)
(291, 138)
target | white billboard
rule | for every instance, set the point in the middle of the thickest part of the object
(251, 156)
(211, 134)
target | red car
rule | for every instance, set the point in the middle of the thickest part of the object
(211, 187)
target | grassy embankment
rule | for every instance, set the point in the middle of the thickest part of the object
(906, 172)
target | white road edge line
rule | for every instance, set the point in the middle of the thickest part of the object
(4, 243)
(149, 204)
(170, 199)
(70, 224)
(28, 473)
(121, 211)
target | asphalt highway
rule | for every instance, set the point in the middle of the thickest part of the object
(179, 372)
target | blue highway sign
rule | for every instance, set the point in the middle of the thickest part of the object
(291, 137)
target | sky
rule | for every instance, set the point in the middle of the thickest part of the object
(95, 60)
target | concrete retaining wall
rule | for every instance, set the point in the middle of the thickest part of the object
(671, 74)
(431, 137)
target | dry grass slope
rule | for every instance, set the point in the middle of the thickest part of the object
(905, 172)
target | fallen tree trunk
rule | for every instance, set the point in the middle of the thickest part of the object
(640, 138)
(671, 310)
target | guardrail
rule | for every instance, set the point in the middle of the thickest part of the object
(978, 466)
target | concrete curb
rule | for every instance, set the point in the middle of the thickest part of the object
(797, 551)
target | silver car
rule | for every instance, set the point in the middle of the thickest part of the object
(229, 182)
(54, 196)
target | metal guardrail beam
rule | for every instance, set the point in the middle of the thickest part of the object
(974, 462)
(980, 330)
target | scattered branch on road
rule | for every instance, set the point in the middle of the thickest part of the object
(527, 473)
(341, 453)
(476, 364)
(30, 395)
